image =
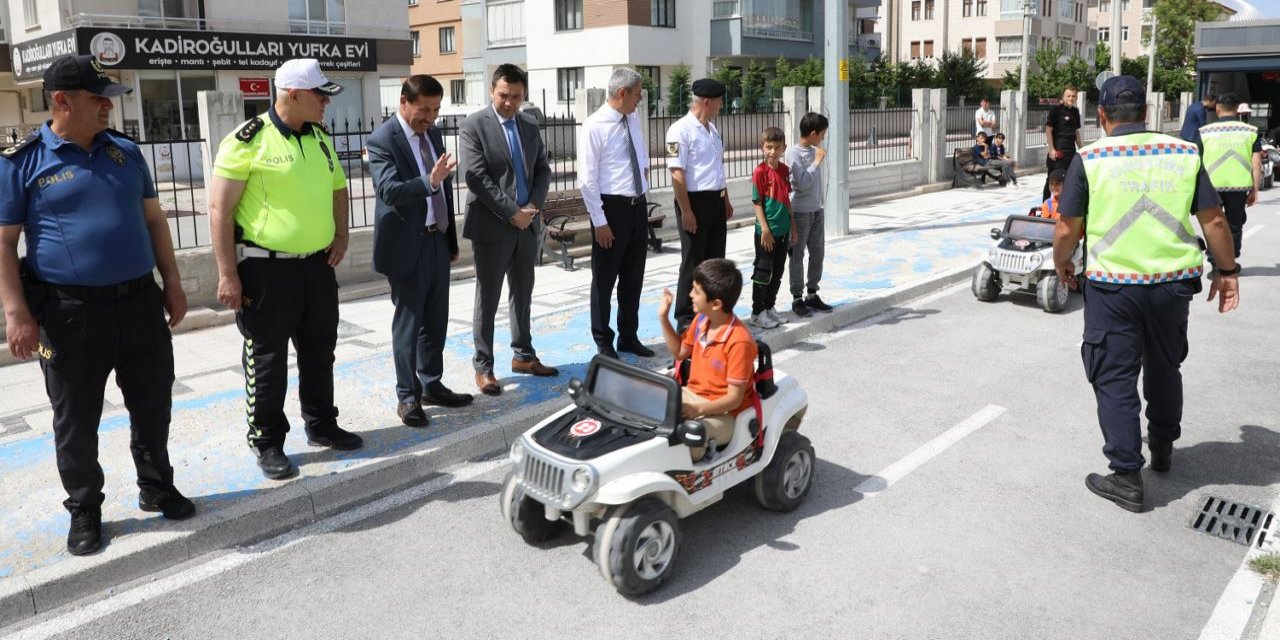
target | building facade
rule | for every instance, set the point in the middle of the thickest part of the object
(168, 50)
(1135, 23)
(435, 30)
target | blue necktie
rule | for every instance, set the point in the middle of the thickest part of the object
(517, 160)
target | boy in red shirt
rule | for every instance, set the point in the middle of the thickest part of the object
(721, 351)
(775, 228)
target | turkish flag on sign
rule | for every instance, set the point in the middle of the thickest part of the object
(255, 87)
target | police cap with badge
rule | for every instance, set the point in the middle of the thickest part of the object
(74, 73)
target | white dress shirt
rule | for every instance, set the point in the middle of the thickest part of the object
(519, 144)
(423, 167)
(699, 151)
(606, 160)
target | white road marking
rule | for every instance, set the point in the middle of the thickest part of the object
(1231, 614)
(872, 486)
(236, 558)
(1252, 230)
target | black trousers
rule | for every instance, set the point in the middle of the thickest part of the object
(623, 264)
(288, 300)
(708, 242)
(81, 342)
(766, 276)
(421, 318)
(1130, 329)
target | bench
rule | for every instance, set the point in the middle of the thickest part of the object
(966, 170)
(563, 220)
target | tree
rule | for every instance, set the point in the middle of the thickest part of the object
(678, 91)
(731, 78)
(651, 94)
(1046, 77)
(961, 74)
(753, 88)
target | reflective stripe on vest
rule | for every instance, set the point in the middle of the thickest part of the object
(1228, 154)
(1138, 226)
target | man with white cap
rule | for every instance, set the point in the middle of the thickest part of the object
(278, 233)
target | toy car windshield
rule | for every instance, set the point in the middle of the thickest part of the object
(637, 395)
(1029, 228)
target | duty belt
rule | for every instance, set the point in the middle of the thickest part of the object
(108, 292)
(245, 251)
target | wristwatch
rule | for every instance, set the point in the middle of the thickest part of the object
(1228, 272)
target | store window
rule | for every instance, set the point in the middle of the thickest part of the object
(346, 110)
(318, 16)
(457, 92)
(169, 110)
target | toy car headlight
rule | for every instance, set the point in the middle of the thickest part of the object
(1036, 259)
(582, 480)
(517, 452)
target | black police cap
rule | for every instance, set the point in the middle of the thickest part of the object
(1122, 90)
(1229, 100)
(83, 73)
(708, 88)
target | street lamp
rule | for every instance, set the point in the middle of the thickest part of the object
(1028, 10)
(1151, 52)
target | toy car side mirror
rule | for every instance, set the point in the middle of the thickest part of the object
(575, 390)
(692, 433)
(995, 234)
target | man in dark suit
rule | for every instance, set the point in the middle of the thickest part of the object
(504, 162)
(414, 242)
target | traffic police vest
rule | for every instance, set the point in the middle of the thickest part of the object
(1228, 153)
(1141, 188)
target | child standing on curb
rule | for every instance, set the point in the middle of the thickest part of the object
(775, 230)
(804, 161)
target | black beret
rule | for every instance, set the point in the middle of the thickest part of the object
(708, 88)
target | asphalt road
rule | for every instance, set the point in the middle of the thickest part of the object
(953, 438)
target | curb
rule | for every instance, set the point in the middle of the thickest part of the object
(307, 499)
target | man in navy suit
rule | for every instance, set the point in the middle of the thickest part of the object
(414, 242)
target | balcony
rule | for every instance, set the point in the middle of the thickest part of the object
(232, 25)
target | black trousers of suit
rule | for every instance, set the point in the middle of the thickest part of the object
(708, 242)
(513, 258)
(421, 318)
(623, 264)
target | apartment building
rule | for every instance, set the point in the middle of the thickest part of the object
(1135, 25)
(435, 30)
(9, 96)
(168, 50)
(992, 29)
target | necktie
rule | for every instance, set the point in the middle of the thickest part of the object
(635, 161)
(438, 214)
(517, 161)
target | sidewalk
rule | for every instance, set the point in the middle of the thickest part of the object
(897, 250)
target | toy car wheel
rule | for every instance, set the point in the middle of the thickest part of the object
(985, 286)
(526, 515)
(1052, 293)
(783, 484)
(636, 547)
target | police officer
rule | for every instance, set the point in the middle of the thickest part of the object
(1061, 134)
(1233, 157)
(1134, 191)
(695, 157)
(94, 231)
(278, 210)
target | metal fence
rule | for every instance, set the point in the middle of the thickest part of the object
(880, 136)
(1036, 116)
(177, 167)
(740, 133)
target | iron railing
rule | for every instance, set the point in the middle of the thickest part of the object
(879, 136)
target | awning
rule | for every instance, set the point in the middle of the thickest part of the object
(1244, 64)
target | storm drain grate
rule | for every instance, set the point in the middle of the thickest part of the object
(1241, 523)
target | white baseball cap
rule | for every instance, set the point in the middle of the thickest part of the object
(1244, 108)
(304, 73)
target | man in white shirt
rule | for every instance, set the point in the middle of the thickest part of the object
(984, 119)
(613, 177)
(695, 157)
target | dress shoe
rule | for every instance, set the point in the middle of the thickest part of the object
(533, 367)
(488, 384)
(442, 396)
(633, 345)
(274, 464)
(335, 438)
(1122, 487)
(412, 415)
(1161, 454)
(170, 503)
(85, 535)
(607, 351)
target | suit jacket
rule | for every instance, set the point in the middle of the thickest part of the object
(491, 178)
(402, 193)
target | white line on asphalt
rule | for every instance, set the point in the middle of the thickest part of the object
(1231, 615)
(236, 558)
(1256, 228)
(872, 486)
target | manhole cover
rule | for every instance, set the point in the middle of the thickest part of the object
(1234, 521)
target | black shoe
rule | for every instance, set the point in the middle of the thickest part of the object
(816, 303)
(85, 535)
(607, 351)
(335, 438)
(412, 415)
(172, 504)
(633, 345)
(1122, 488)
(801, 309)
(274, 464)
(442, 396)
(1161, 454)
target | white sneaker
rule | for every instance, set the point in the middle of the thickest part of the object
(773, 315)
(763, 321)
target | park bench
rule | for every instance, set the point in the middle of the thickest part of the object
(563, 219)
(967, 172)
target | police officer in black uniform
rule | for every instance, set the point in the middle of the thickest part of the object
(84, 298)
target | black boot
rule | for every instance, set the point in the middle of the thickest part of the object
(1121, 487)
(85, 535)
(1161, 454)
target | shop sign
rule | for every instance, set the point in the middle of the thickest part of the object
(31, 58)
(255, 87)
(166, 49)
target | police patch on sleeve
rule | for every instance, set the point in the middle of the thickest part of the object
(673, 149)
(116, 155)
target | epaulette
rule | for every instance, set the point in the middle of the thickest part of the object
(121, 135)
(322, 128)
(249, 130)
(13, 151)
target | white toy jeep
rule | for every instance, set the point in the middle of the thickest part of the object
(617, 462)
(1022, 260)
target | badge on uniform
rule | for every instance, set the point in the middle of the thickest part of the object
(45, 352)
(116, 155)
(673, 149)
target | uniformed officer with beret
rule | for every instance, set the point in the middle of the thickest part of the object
(84, 298)
(695, 157)
(1135, 191)
(278, 209)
